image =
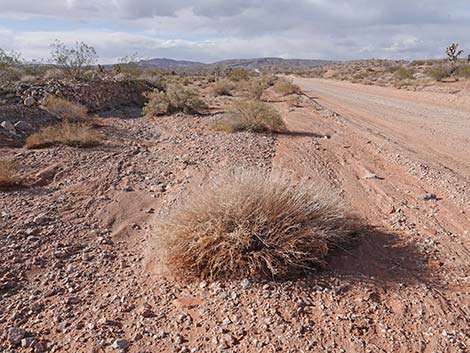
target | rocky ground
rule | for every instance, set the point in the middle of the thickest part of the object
(80, 270)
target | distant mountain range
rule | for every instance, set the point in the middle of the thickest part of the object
(248, 63)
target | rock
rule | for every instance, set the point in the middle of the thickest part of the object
(120, 344)
(27, 342)
(23, 126)
(41, 218)
(15, 335)
(245, 283)
(29, 101)
(8, 126)
(427, 197)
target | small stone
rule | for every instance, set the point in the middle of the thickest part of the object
(427, 197)
(179, 339)
(15, 335)
(245, 283)
(41, 218)
(27, 341)
(120, 344)
(8, 126)
(29, 101)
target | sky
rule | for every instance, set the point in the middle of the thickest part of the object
(212, 30)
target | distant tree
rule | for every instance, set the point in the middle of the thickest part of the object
(453, 54)
(73, 60)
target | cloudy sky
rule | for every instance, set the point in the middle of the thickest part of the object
(210, 30)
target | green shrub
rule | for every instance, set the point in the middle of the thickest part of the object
(438, 73)
(157, 104)
(238, 74)
(254, 88)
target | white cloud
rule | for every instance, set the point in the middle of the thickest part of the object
(213, 29)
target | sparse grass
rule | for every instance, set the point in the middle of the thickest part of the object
(8, 176)
(64, 109)
(285, 87)
(253, 223)
(222, 88)
(403, 74)
(251, 115)
(65, 133)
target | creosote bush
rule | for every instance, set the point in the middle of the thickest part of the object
(65, 133)
(251, 115)
(8, 176)
(254, 88)
(177, 98)
(64, 109)
(285, 87)
(438, 73)
(250, 223)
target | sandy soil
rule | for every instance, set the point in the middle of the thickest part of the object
(80, 272)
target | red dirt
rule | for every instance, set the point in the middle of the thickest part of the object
(89, 273)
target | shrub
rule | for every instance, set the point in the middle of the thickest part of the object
(238, 74)
(293, 101)
(254, 88)
(186, 100)
(464, 71)
(222, 88)
(73, 60)
(251, 115)
(438, 73)
(64, 109)
(403, 74)
(66, 133)
(156, 105)
(285, 87)
(8, 177)
(254, 223)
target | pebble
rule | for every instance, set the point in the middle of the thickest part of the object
(245, 283)
(121, 344)
(427, 197)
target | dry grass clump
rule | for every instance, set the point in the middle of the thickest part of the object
(65, 133)
(285, 87)
(294, 101)
(254, 223)
(222, 88)
(463, 71)
(8, 177)
(64, 109)
(251, 115)
(438, 72)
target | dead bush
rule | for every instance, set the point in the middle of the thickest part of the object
(8, 176)
(285, 87)
(251, 115)
(253, 223)
(64, 109)
(65, 133)
(222, 88)
(293, 101)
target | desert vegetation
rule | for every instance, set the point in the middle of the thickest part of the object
(8, 174)
(253, 223)
(285, 87)
(75, 134)
(223, 88)
(251, 115)
(64, 109)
